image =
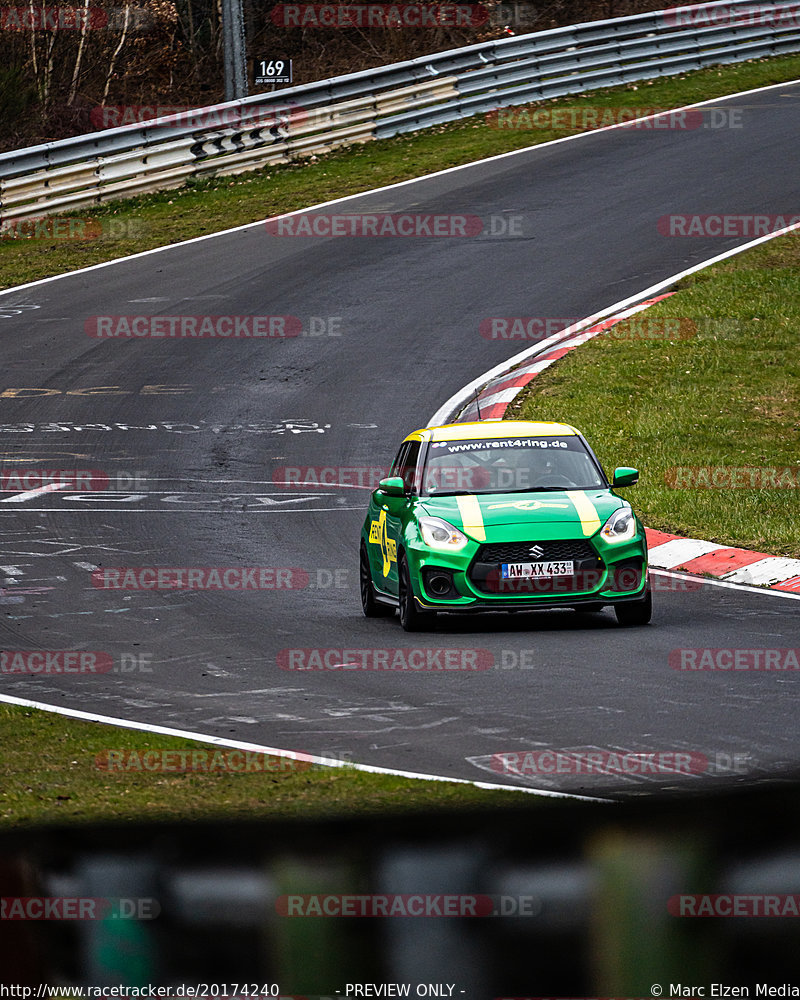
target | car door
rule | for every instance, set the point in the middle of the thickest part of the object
(386, 529)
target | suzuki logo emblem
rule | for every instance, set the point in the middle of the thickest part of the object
(536, 551)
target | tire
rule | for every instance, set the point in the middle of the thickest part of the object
(637, 612)
(411, 618)
(371, 607)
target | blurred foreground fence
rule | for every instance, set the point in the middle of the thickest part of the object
(554, 899)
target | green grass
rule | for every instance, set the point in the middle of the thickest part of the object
(729, 395)
(50, 775)
(213, 205)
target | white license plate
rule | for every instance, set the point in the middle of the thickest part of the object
(528, 570)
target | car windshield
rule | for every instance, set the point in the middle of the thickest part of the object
(509, 465)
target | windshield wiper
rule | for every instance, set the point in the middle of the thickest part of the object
(449, 493)
(471, 493)
(548, 489)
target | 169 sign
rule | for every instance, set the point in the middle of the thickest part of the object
(272, 71)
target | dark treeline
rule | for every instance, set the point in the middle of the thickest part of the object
(67, 70)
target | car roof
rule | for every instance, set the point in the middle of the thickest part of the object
(487, 429)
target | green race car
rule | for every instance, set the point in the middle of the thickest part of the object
(497, 516)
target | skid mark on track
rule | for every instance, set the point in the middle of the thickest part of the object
(239, 694)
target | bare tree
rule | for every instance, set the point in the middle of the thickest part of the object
(79, 58)
(117, 50)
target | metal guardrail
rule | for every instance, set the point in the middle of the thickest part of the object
(300, 121)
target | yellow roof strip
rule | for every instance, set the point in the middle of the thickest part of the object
(587, 512)
(471, 517)
(487, 429)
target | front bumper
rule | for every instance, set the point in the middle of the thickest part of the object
(603, 573)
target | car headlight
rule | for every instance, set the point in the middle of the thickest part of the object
(620, 527)
(440, 534)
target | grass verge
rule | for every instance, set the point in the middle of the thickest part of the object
(51, 775)
(723, 392)
(209, 206)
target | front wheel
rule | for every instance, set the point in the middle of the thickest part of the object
(371, 606)
(411, 618)
(637, 612)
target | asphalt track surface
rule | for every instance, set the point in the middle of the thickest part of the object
(234, 413)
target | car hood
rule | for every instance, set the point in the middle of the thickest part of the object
(478, 514)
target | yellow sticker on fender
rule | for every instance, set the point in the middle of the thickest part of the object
(471, 517)
(378, 535)
(590, 522)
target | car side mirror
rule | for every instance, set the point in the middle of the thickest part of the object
(394, 486)
(625, 476)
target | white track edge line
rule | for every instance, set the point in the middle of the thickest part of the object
(74, 713)
(713, 581)
(399, 184)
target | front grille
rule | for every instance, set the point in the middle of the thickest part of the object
(485, 573)
(576, 549)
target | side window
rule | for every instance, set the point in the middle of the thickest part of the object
(405, 464)
(397, 465)
(409, 468)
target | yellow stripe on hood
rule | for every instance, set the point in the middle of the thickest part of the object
(587, 512)
(471, 517)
